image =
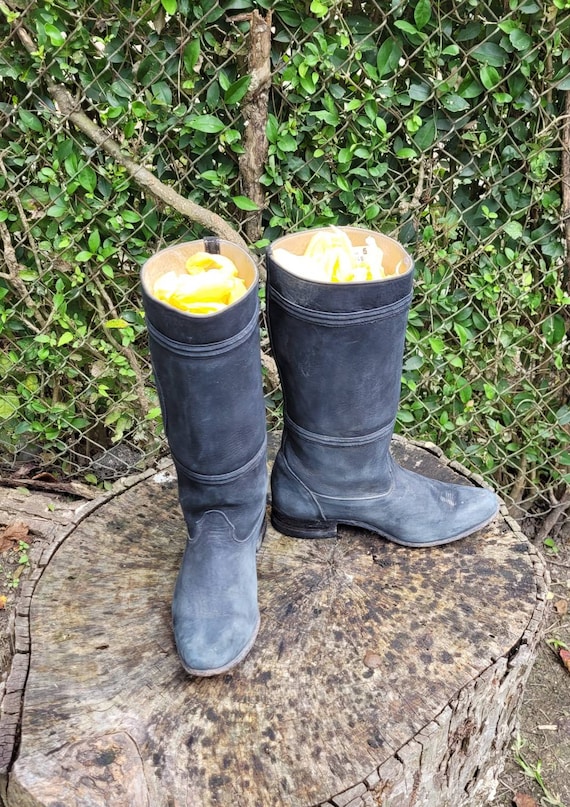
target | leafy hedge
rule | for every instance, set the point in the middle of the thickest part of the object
(439, 123)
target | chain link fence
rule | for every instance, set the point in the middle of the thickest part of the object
(125, 128)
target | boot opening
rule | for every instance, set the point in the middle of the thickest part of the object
(174, 258)
(396, 261)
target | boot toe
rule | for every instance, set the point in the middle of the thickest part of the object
(450, 512)
(212, 647)
(477, 507)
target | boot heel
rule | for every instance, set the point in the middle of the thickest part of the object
(297, 528)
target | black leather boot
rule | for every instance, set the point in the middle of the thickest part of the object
(208, 376)
(339, 350)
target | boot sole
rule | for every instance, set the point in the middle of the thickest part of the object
(297, 528)
(231, 664)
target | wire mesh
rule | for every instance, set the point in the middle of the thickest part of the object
(445, 125)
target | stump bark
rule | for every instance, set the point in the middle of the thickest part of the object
(382, 676)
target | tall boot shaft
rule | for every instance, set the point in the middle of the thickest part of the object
(340, 344)
(208, 376)
(339, 350)
(201, 363)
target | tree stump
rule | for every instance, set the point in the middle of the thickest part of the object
(382, 676)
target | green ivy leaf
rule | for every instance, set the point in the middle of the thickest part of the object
(465, 391)
(507, 26)
(94, 241)
(388, 56)
(489, 76)
(437, 345)
(9, 405)
(272, 128)
(191, 55)
(287, 142)
(419, 92)
(564, 84)
(131, 216)
(244, 203)
(56, 37)
(57, 210)
(422, 14)
(319, 9)
(502, 97)
(237, 90)
(554, 329)
(169, 6)
(425, 137)
(462, 333)
(514, 229)
(490, 53)
(162, 93)
(408, 28)
(30, 120)
(454, 103)
(87, 178)
(65, 338)
(520, 40)
(414, 363)
(207, 123)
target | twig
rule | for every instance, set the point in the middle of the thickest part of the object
(271, 373)
(67, 488)
(255, 111)
(23, 217)
(13, 276)
(557, 563)
(125, 350)
(554, 515)
(565, 213)
(520, 483)
(405, 207)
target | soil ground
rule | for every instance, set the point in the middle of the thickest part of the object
(537, 773)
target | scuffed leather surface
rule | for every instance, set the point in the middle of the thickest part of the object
(339, 353)
(208, 376)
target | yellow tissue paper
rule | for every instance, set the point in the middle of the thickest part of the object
(210, 285)
(330, 257)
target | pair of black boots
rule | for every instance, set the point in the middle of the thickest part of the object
(339, 350)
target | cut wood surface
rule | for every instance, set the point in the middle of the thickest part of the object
(381, 675)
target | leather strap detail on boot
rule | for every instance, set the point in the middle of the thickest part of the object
(332, 440)
(204, 350)
(221, 479)
(341, 320)
(212, 244)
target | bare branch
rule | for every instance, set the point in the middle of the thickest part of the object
(554, 515)
(13, 276)
(565, 138)
(255, 113)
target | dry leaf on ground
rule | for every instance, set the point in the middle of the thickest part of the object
(44, 476)
(565, 658)
(524, 800)
(561, 607)
(10, 535)
(3, 601)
